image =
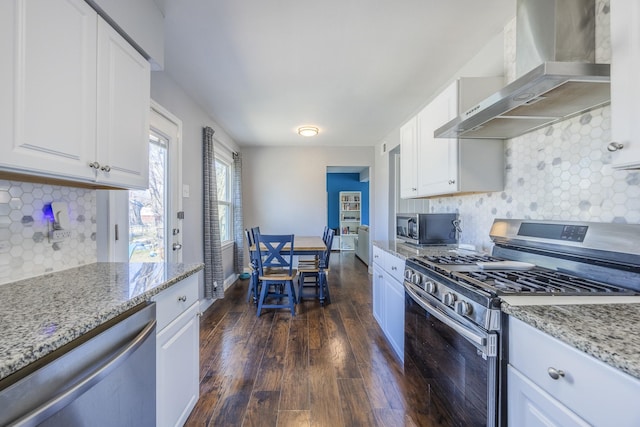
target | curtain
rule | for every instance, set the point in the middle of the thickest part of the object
(238, 225)
(213, 271)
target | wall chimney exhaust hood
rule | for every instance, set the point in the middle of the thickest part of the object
(555, 47)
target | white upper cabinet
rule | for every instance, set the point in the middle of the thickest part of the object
(625, 90)
(123, 111)
(444, 165)
(75, 96)
(409, 159)
(48, 76)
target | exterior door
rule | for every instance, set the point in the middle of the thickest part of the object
(143, 225)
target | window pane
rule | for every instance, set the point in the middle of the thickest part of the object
(225, 223)
(147, 210)
(222, 181)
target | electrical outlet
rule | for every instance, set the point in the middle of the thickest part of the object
(59, 235)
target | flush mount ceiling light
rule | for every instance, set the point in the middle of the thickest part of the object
(308, 131)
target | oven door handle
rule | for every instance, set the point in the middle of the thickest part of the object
(470, 335)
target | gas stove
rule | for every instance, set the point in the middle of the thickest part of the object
(533, 262)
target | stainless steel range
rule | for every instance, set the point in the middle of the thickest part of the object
(453, 294)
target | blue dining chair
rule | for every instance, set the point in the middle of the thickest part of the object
(253, 266)
(320, 284)
(275, 271)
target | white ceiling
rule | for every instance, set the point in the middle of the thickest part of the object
(356, 69)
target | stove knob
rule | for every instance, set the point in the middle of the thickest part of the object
(407, 274)
(449, 299)
(463, 308)
(430, 287)
(416, 279)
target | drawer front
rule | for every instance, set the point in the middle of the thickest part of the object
(174, 300)
(379, 257)
(395, 267)
(597, 392)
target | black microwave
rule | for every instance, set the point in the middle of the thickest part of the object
(428, 229)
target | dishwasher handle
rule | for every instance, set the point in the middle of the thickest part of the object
(50, 407)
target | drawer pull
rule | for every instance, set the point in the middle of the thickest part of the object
(555, 373)
(183, 298)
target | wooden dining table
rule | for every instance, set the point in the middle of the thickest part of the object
(306, 245)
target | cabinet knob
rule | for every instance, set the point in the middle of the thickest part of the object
(94, 165)
(182, 298)
(615, 146)
(414, 189)
(555, 373)
(106, 168)
(394, 267)
(452, 181)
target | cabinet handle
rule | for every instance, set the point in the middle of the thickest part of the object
(615, 146)
(94, 165)
(183, 298)
(106, 168)
(394, 268)
(414, 189)
(452, 181)
(555, 373)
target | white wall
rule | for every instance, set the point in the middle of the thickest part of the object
(168, 94)
(285, 188)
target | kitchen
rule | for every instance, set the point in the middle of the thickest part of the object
(542, 168)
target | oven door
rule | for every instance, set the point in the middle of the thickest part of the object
(455, 361)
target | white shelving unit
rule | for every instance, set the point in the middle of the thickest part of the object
(350, 219)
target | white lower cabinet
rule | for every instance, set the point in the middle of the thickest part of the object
(550, 383)
(388, 297)
(177, 352)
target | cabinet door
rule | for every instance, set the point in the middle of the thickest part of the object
(529, 405)
(625, 91)
(47, 87)
(394, 314)
(409, 159)
(177, 361)
(438, 157)
(123, 111)
(378, 294)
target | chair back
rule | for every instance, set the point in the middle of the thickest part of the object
(271, 252)
(329, 243)
(252, 254)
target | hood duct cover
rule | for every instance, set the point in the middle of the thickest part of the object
(564, 84)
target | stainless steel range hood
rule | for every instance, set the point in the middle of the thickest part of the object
(559, 35)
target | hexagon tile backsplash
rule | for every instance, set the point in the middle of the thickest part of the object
(561, 172)
(25, 249)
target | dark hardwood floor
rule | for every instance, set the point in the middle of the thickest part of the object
(325, 366)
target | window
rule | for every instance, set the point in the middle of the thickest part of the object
(225, 203)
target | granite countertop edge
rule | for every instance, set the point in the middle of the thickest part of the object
(20, 354)
(609, 339)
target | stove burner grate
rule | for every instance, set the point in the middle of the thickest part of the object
(537, 281)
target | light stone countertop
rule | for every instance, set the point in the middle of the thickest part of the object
(406, 250)
(41, 314)
(608, 332)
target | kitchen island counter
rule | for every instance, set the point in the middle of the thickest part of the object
(608, 332)
(41, 314)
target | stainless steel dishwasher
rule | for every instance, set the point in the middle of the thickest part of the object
(106, 377)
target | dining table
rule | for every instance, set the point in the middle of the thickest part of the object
(305, 245)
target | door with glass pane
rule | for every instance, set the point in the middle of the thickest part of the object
(149, 209)
(143, 225)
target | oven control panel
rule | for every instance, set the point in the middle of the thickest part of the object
(448, 299)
